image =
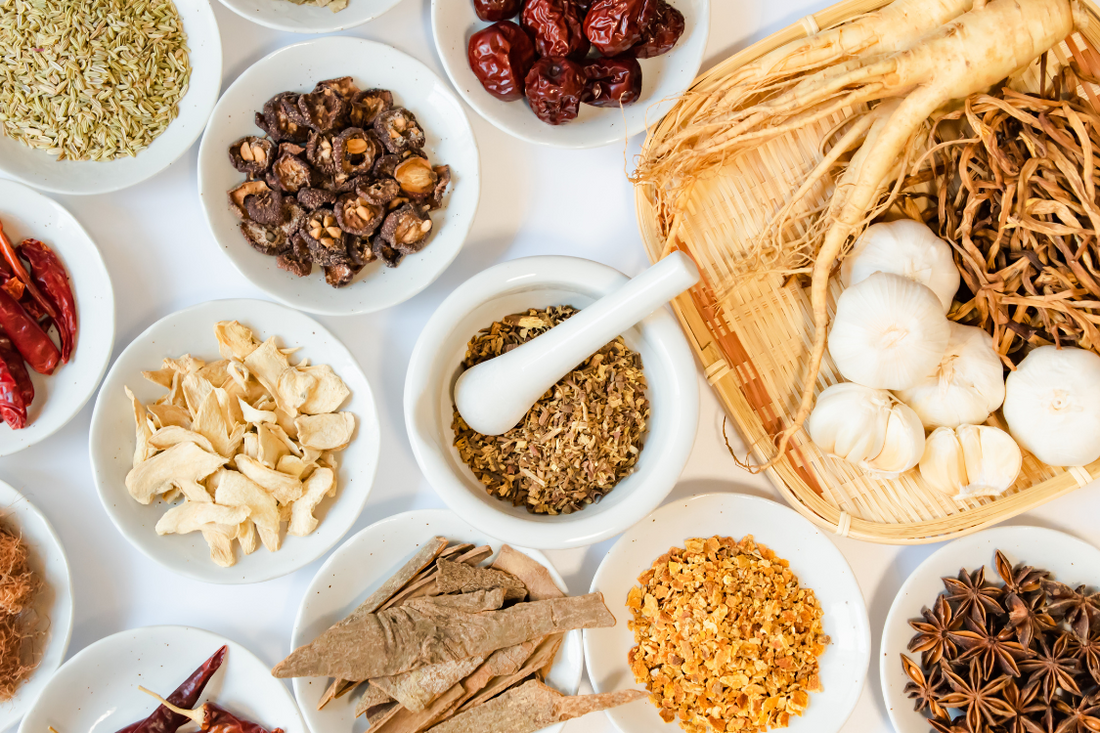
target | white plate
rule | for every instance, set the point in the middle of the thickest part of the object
(97, 690)
(813, 558)
(664, 78)
(44, 171)
(192, 331)
(283, 15)
(54, 604)
(363, 563)
(1069, 560)
(450, 141)
(57, 398)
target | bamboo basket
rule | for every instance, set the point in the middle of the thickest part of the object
(754, 344)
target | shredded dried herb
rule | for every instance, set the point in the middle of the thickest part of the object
(577, 442)
(19, 585)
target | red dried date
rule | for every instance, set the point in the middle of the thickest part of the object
(557, 28)
(494, 10)
(662, 34)
(612, 82)
(500, 57)
(613, 26)
(554, 90)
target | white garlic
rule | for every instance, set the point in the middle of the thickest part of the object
(888, 332)
(970, 460)
(907, 248)
(868, 427)
(1052, 405)
(966, 387)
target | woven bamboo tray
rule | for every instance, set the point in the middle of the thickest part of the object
(753, 344)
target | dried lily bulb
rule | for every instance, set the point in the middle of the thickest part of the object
(1052, 405)
(966, 387)
(970, 460)
(868, 427)
(907, 248)
(889, 332)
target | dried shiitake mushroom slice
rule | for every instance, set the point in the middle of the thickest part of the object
(340, 275)
(242, 191)
(321, 153)
(378, 192)
(366, 106)
(407, 229)
(416, 177)
(264, 239)
(324, 109)
(360, 251)
(252, 155)
(355, 150)
(358, 216)
(383, 251)
(312, 198)
(298, 259)
(325, 238)
(386, 165)
(399, 130)
(277, 123)
(344, 86)
(291, 149)
(265, 207)
(291, 174)
(294, 215)
(443, 179)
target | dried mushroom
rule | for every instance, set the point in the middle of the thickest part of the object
(340, 275)
(399, 130)
(416, 177)
(252, 155)
(356, 215)
(383, 251)
(264, 239)
(344, 86)
(443, 180)
(265, 206)
(324, 110)
(325, 238)
(407, 229)
(355, 151)
(311, 198)
(380, 192)
(385, 166)
(321, 154)
(366, 106)
(291, 174)
(240, 193)
(298, 260)
(291, 149)
(360, 251)
(276, 121)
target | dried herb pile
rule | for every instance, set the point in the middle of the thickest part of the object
(577, 442)
(1019, 657)
(1014, 190)
(19, 585)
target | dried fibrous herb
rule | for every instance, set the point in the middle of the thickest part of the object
(18, 587)
(579, 440)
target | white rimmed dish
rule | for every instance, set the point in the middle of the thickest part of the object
(54, 604)
(664, 78)
(191, 330)
(1070, 560)
(363, 563)
(58, 397)
(450, 141)
(41, 170)
(816, 561)
(283, 15)
(97, 690)
(539, 282)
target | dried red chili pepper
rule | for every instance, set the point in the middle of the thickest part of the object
(50, 277)
(16, 390)
(164, 720)
(214, 718)
(500, 57)
(557, 28)
(12, 258)
(554, 90)
(614, 26)
(29, 338)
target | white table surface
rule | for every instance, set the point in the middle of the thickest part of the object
(533, 201)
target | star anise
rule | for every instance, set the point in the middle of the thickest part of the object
(1084, 717)
(1020, 579)
(1088, 653)
(1023, 705)
(955, 725)
(1079, 609)
(988, 649)
(980, 701)
(972, 595)
(1027, 618)
(925, 691)
(1052, 668)
(933, 634)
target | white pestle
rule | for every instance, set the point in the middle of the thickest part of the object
(493, 396)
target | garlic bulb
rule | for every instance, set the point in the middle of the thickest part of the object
(888, 332)
(1052, 405)
(966, 387)
(970, 460)
(907, 248)
(868, 427)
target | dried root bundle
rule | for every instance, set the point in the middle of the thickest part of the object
(18, 587)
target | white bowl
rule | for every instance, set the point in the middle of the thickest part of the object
(283, 15)
(54, 605)
(813, 558)
(97, 690)
(1070, 560)
(363, 563)
(664, 78)
(58, 397)
(449, 141)
(191, 331)
(539, 282)
(44, 171)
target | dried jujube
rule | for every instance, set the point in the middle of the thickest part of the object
(367, 105)
(661, 34)
(399, 130)
(252, 155)
(355, 215)
(407, 229)
(291, 174)
(355, 150)
(494, 10)
(324, 109)
(556, 27)
(500, 57)
(613, 26)
(554, 90)
(416, 177)
(612, 82)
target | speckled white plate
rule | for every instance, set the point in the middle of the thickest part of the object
(450, 141)
(54, 604)
(97, 690)
(284, 15)
(813, 558)
(362, 564)
(191, 331)
(58, 397)
(1069, 560)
